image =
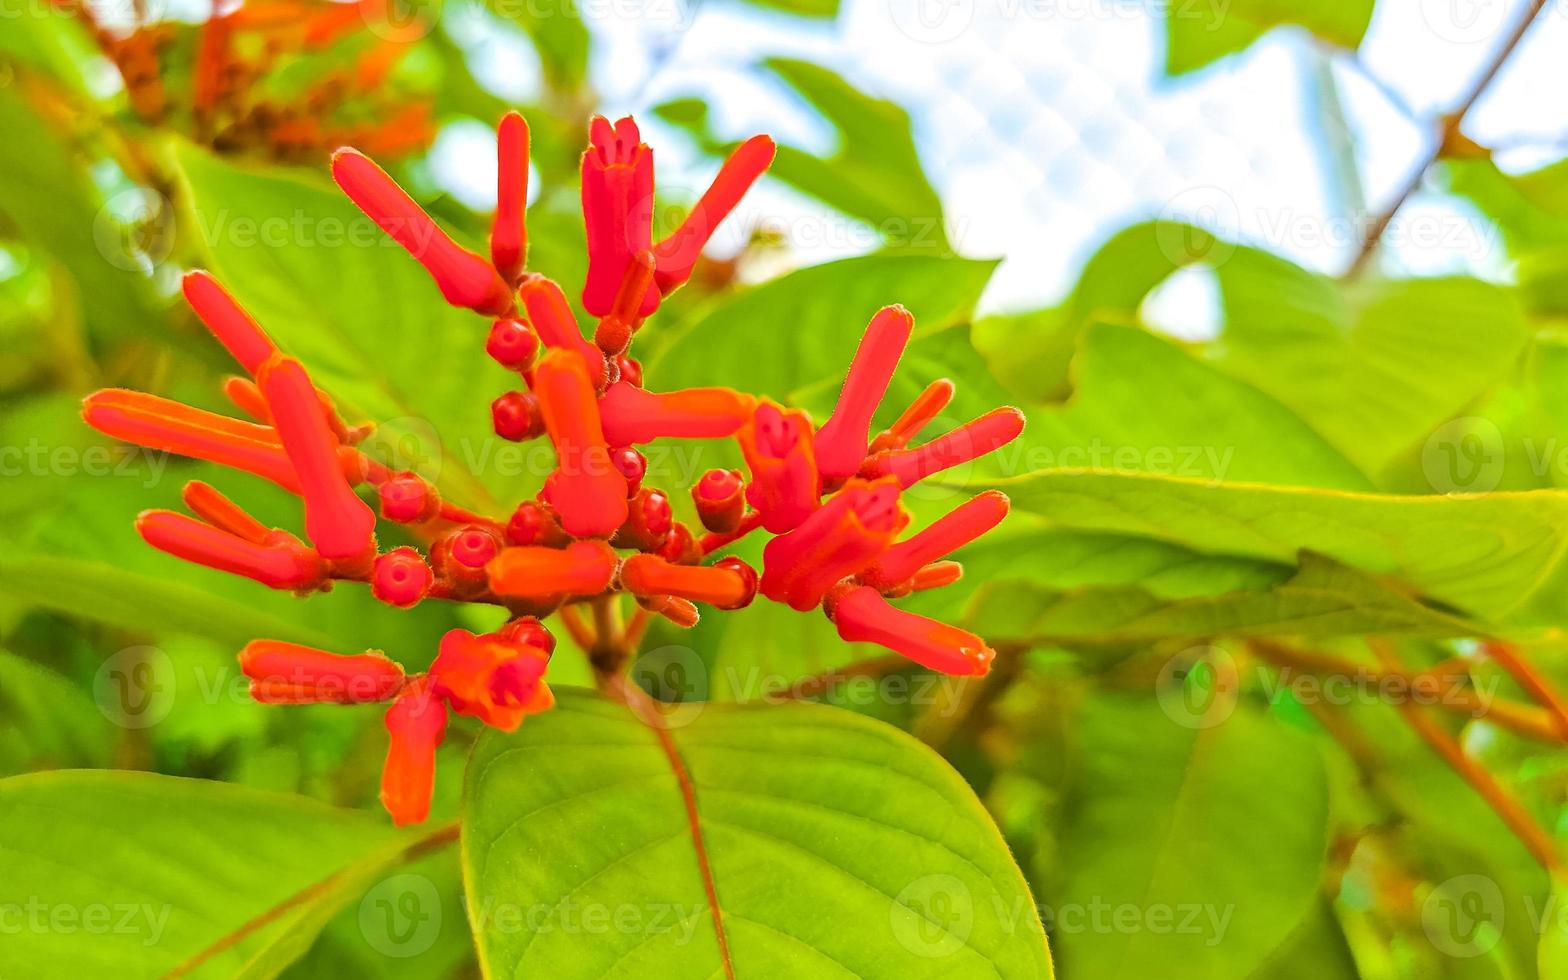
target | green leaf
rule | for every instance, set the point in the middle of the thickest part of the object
(1201, 848)
(365, 319)
(1142, 403)
(874, 172)
(1199, 34)
(1490, 555)
(800, 331)
(46, 39)
(136, 874)
(802, 8)
(798, 819)
(1323, 598)
(1317, 950)
(1375, 368)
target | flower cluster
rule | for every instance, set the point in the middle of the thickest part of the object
(228, 100)
(829, 495)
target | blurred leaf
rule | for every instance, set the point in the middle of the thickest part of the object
(364, 318)
(1317, 950)
(866, 825)
(1488, 554)
(1530, 209)
(160, 871)
(559, 35)
(1200, 33)
(46, 38)
(1220, 832)
(801, 330)
(46, 722)
(803, 8)
(874, 174)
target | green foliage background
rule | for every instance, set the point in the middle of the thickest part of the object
(1147, 776)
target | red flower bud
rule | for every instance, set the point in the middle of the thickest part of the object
(489, 678)
(465, 279)
(581, 568)
(841, 442)
(617, 193)
(339, 524)
(614, 332)
(926, 406)
(964, 524)
(287, 673)
(400, 578)
(778, 449)
(727, 584)
(678, 253)
(527, 631)
(970, 441)
(647, 523)
(407, 499)
(631, 464)
(533, 524)
(587, 491)
(509, 233)
(246, 397)
(936, 575)
(416, 723)
(515, 416)
(473, 547)
(839, 540)
(720, 500)
(680, 547)
(234, 328)
(512, 344)
(280, 563)
(678, 611)
(629, 370)
(863, 616)
(634, 415)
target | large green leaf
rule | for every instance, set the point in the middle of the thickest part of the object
(873, 173)
(46, 721)
(1322, 599)
(783, 825)
(801, 331)
(1188, 851)
(365, 319)
(1141, 403)
(134, 875)
(1200, 33)
(1492, 555)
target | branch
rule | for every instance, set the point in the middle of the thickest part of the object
(1450, 125)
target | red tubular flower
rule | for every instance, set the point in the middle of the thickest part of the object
(581, 568)
(720, 500)
(586, 489)
(280, 563)
(679, 252)
(509, 232)
(338, 523)
(491, 678)
(614, 333)
(240, 335)
(863, 616)
(633, 415)
(842, 440)
(465, 279)
(167, 426)
(964, 524)
(416, 723)
(223, 513)
(400, 578)
(926, 406)
(778, 448)
(552, 318)
(729, 584)
(678, 611)
(839, 540)
(287, 673)
(617, 195)
(245, 396)
(972, 440)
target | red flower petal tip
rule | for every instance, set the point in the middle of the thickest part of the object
(842, 441)
(416, 723)
(863, 616)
